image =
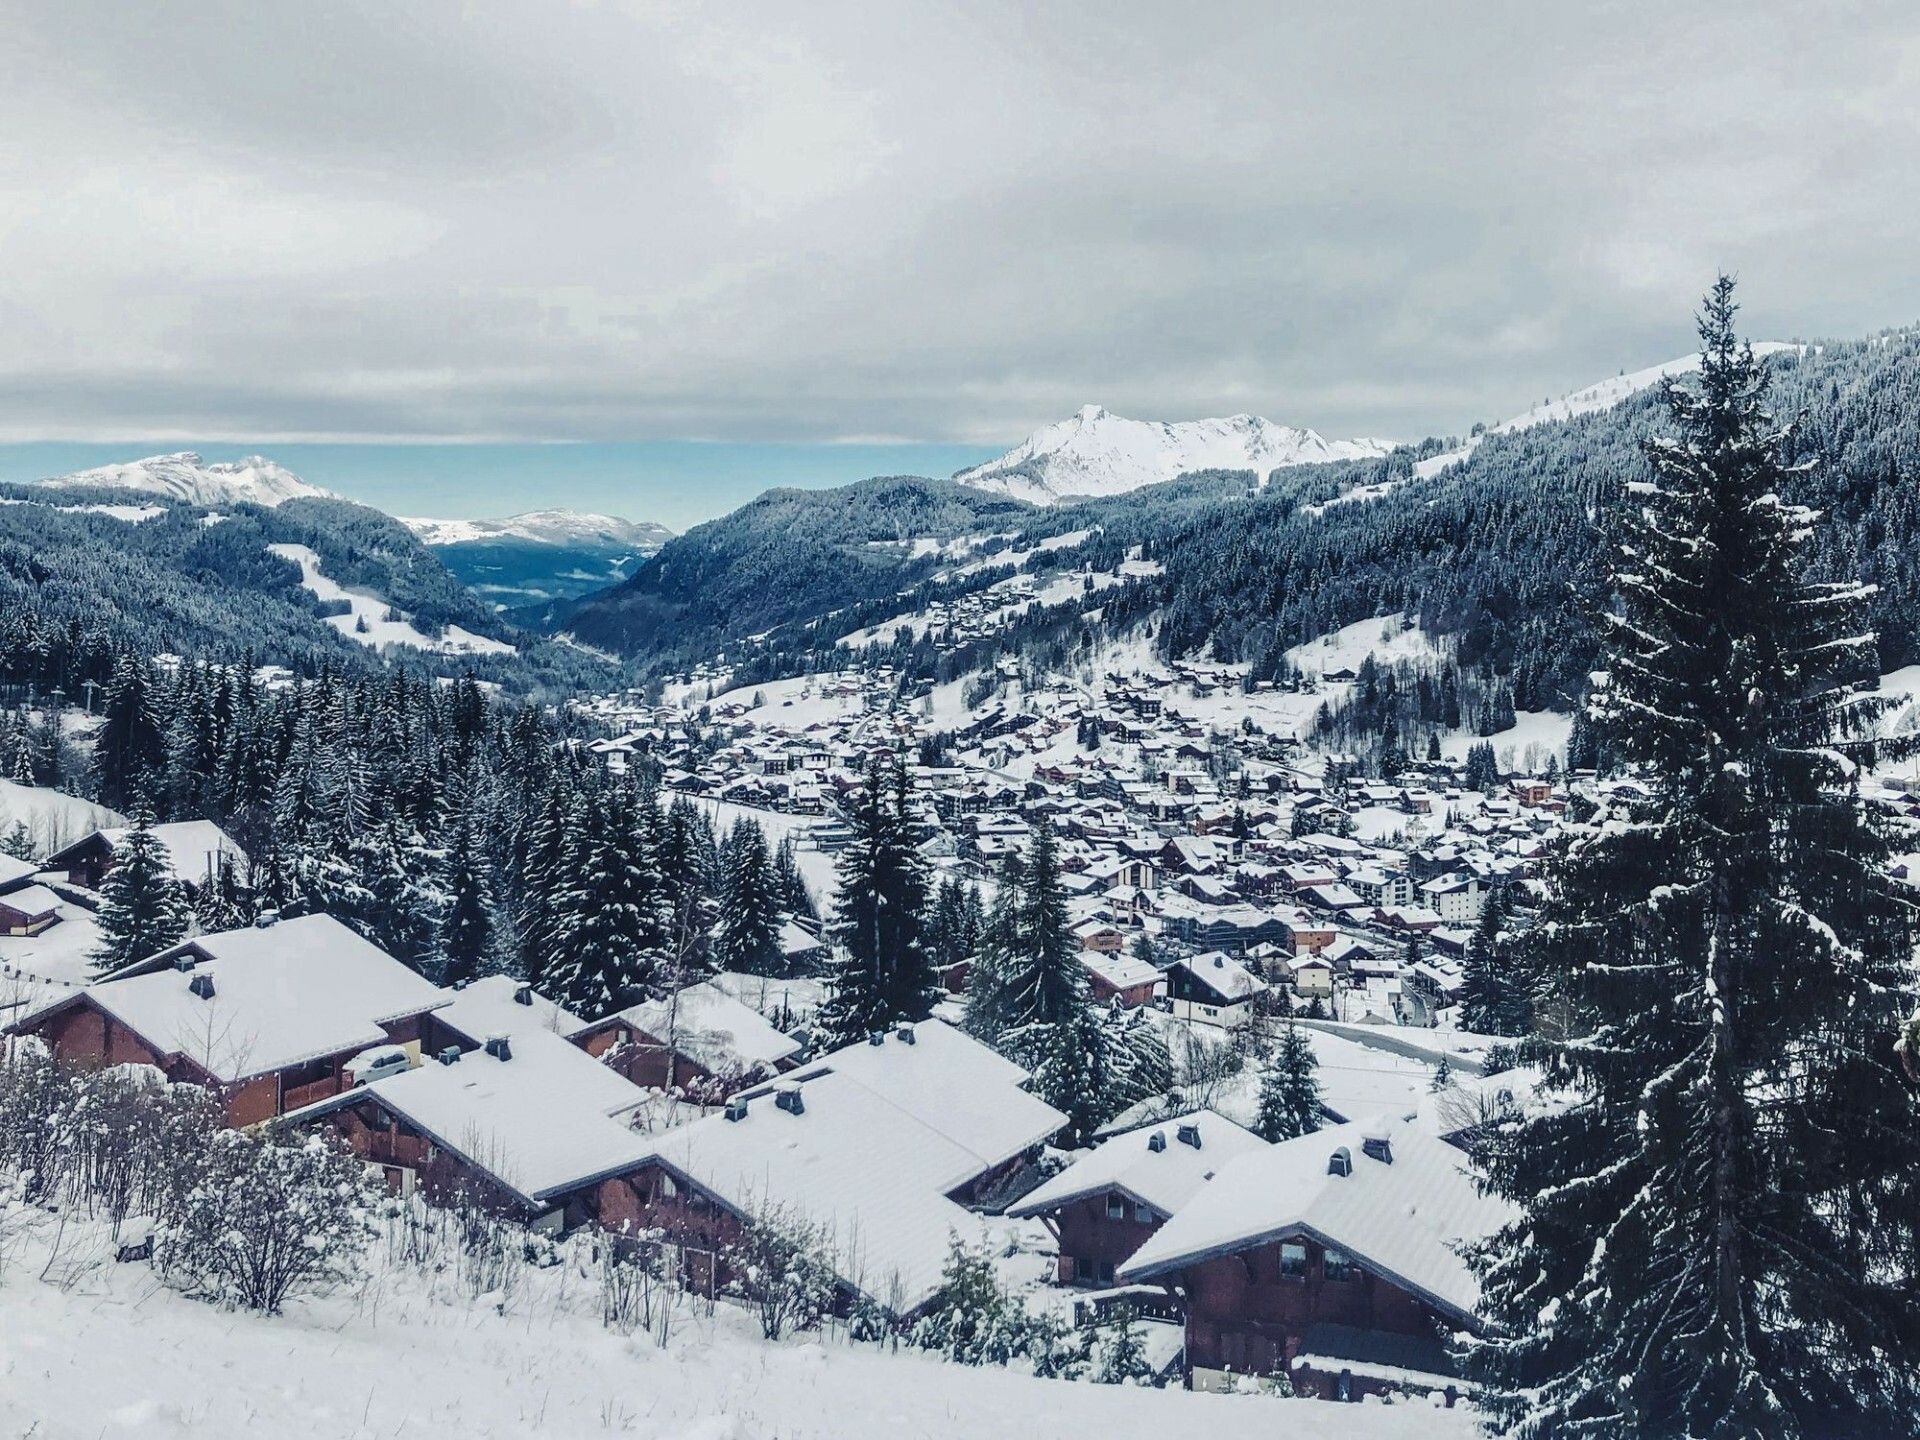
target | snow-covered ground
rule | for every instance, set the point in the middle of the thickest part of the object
(367, 621)
(53, 818)
(1538, 733)
(98, 1349)
(816, 868)
(1388, 638)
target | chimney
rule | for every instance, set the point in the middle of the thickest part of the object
(183, 963)
(266, 919)
(1340, 1162)
(1157, 1141)
(737, 1108)
(1188, 1135)
(1377, 1147)
(449, 1056)
(878, 1037)
(906, 1035)
(523, 995)
(499, 1048)
(787, 1098)
(201, 985)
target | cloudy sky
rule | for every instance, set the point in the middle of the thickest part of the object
(792, 225)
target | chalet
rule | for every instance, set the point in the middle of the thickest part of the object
(1103, 1206)
(527, 1125)
(884, 1144)
(702, 1041)
(1331, 1259)
(1214, 989)
(1310, 974)
(196, 850)
(1413, 918)
(267, 1017)
(1100, 935)
(28, 910)
(1533, 794)
(1121, 979)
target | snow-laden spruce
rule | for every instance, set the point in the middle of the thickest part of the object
(1721, 1195)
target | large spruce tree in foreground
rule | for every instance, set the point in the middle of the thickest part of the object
(1717, 1234)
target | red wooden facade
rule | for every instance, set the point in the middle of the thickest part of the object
(1247, 1312)
(1098, 1234)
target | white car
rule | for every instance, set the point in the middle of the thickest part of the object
(377, 1064)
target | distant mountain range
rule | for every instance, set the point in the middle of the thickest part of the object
(1097, 453)
(540, 556)
(186, 477)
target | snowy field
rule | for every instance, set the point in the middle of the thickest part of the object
(53, 818)
(97, 1349)
(370, 611)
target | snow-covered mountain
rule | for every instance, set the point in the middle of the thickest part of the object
(542, 555)
(1099, 453)
(185, 476)
(542, 527)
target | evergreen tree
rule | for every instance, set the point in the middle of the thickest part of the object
(18, 842)
(1040, 1009)
(789, 885)
(747, 935)
(612, 930)
(143, 910)
(1493, 999)
(1718, 1234)
(883, 974)
(466, 924)
(1289, 1090)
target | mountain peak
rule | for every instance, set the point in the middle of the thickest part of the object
(1100, 453)
(185, 476)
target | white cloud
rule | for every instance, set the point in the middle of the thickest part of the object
(808, 222)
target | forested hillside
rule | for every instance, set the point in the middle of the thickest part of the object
(1496, 551)
(85, 575)
(789, 555)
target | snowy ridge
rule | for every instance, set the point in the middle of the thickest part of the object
(1591, 400)
(540, 527)
(186, 477)
(1099, 453)
(373, 622)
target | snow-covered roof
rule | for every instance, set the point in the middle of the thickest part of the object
(952, 1083)
(30, 899)
(1121, 971)
(1165, 1174)
(712, 1028)
(869, 1171)
(493, 1005)
(194, 848)
(282, 995)
(1223, 974)
(13, 870)
(1402, 1219)
(543, 1121)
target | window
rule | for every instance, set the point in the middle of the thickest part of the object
(1293, 1259)
(1143, 1214)
(1339, 1266)
(1106, 1272)
(1116, 1206)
